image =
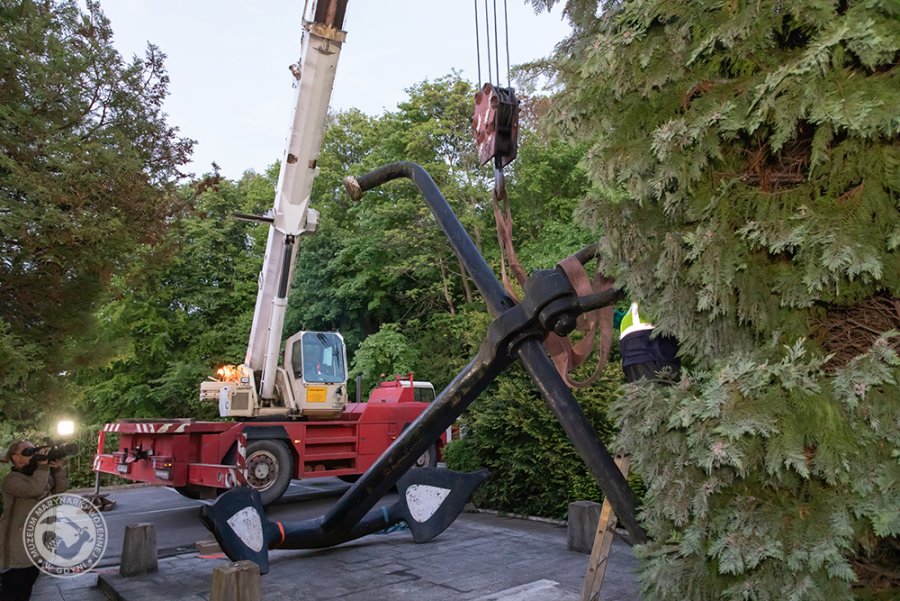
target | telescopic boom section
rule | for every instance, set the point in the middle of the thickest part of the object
(323, 36)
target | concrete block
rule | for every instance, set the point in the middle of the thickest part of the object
(582, 527)
(139, 550)
(238, 581)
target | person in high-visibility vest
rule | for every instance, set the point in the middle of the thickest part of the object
(644, 355)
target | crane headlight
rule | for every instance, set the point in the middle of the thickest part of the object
(229, 373)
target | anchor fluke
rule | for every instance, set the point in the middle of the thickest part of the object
(239, 523)
(432, 498)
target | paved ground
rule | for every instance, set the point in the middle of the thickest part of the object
(175, 517)
(481, 557)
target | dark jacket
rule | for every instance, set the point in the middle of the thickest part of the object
(643, 347)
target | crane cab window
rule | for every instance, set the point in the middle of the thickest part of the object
(318, 357)
(423, 392)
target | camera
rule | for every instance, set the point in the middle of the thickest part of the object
(51, 452)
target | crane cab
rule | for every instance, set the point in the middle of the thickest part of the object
(403, 389)
(315, 365)
(311, 382)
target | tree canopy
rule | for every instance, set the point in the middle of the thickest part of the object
(87, 174)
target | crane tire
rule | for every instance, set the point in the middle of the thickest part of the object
(270, 467)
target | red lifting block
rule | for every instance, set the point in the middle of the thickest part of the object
(495, 124)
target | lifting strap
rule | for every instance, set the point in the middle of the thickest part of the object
(568, 355)
(495, 128)
(503, 218)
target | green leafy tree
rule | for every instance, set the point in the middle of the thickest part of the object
(743, 161)
(384, 260)
(87, 168)
(445, 342)
(382, 355)
(189, 312)
(545, 188)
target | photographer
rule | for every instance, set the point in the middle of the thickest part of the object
(30, 480)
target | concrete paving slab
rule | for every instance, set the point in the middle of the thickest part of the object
(78, 588)
(539, 590)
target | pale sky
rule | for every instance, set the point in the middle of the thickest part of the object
(230, 87)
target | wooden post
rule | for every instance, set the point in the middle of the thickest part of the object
(602, 543)
(139, 550)
(236, 582)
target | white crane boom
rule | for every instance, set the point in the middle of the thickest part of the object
(321, 47)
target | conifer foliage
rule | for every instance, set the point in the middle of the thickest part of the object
(744, 166)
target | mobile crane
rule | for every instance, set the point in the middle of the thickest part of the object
(293, 420)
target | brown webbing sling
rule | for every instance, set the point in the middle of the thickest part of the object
(495, 128)
(567, 354)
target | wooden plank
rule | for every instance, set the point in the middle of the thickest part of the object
(602, 543)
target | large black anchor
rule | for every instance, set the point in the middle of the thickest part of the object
(431, 499)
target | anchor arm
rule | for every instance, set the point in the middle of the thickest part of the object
(414, 441)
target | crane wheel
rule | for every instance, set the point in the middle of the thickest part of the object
(269, 468)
